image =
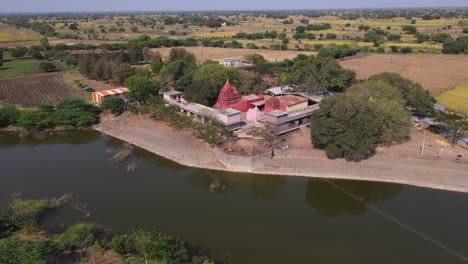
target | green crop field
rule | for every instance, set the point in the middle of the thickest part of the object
(19, 67)
(455, 99)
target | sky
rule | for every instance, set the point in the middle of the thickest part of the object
(189, 5)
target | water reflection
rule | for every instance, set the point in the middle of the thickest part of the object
(261, 187)
(48, 138)
(329, 200)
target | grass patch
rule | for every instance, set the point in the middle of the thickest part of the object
(9, 37)
(19, 67)
(456, 99)
(337, 42)
(214, 35)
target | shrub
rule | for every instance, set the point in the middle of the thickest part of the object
(36, 119)
(18, 51)
(406, 50)
(114, 104)
(16, 251)
(46, 66)
(9, 116)
(75, 112)
(122, 245)
(76, 237)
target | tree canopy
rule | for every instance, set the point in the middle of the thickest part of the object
(141, 88)
(351, 125)
(420, 101)
(208, 81)
(316, 74)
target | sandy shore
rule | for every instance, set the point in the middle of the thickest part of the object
(397, 164)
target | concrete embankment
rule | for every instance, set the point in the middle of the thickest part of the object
(182, 147)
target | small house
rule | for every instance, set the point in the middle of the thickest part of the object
(99, 96)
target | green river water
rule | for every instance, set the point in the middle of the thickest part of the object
(261, 219)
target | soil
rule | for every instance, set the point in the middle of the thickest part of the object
(397, 164)
(435, 72)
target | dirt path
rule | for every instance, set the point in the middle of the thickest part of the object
(398, 164)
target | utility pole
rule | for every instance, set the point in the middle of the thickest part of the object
(423, 143)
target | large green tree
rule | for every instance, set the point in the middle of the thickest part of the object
(208, 81)
(420, 101)
(353, 124)
(141, 88)
(316, 74)
(345, 127)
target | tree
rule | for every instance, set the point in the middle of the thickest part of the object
(208, 81)
(416, 98)
(453, 47)
(259, 61)
(1, 58)
(46, 66)
(345, 127)
(141, 88)
(387, 102)
(9, 116)
(250, 82)
(441, 37)
(45, 43)
(154, 246)
(75, 112)
(76, 237)
(134, 50)
(351, 125)
(35, 52)
(73, 26)
(410, 29)
(181, 54)
(120, 72)
(18, 51)
(114, 104)
(316, 74)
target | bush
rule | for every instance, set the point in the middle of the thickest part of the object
(18, 51)
(9, 116)
(114, 104)
(453, 47)
(75, 112)
(122, 245)
(16, 251)
(36, 119)
(76, 237)
(406, 50)
(46, 66)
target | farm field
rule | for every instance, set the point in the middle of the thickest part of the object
(455, 99)
(19, 67)
(12, 34)
(32, 90)
(436, 72)
(220, 54)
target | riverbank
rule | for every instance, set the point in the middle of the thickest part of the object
(397, 164)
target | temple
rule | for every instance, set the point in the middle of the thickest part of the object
(229, 97)
(281, 108)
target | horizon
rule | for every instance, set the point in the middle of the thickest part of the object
(54, 6)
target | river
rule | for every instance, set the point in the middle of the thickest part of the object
(259, 219)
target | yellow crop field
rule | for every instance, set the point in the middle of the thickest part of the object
(327, 42)
(329, 31)
(8, 37)
(456, 99)
(214, 35)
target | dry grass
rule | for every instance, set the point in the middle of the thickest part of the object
(220, 54)
(455, 99)
(11, 34)
(436, 72)
(214, 35)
